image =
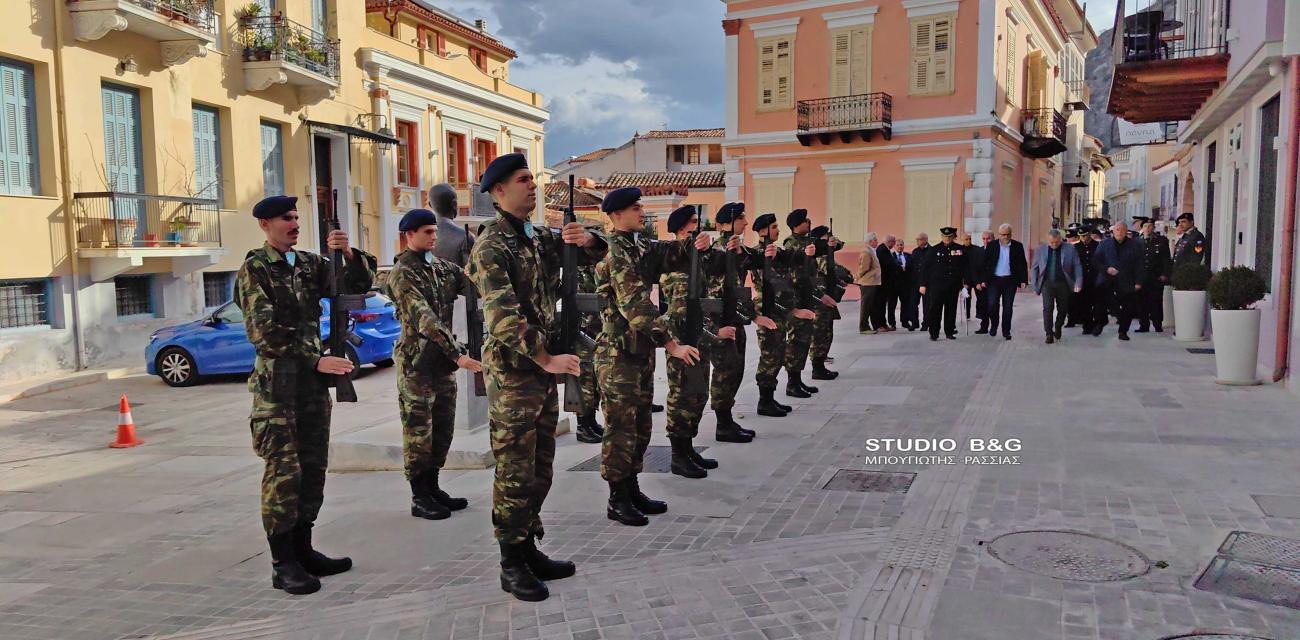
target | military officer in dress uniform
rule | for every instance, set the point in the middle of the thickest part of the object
(1191, 246)
(279, 289)
(945, 275)
(1155, 265)
(1076, 300)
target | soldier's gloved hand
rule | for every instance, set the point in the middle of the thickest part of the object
(466, 362)
(804, 314)
(575, 233)
(562, 364)
(810, 250)
(685, 353)
(734, 243)
(765, 322)
(703, 241)
(727, 333)
(338, 239)
(829, 301)
(769, 251)
(333, 365)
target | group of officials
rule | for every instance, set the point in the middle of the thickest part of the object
(514, 269)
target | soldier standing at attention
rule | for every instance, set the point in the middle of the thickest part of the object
(945, 271)
(516, 268)
(799, 333)
(824, 324)
(776, 305)
(280, 291)
(589, 431)
(1190, 248)
(625, 352)
(424, 289)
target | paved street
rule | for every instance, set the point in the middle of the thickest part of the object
(1132, 442)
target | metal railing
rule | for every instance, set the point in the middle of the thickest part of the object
(116, 220)
(278, 38)
(1194, 28)
(195, 13)
(846, 113)
(1042, 123)
(1076, 87)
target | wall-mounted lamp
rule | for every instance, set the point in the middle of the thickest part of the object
(126, 65)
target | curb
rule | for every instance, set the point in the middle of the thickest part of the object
(69, 382)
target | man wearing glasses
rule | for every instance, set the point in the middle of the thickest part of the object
(1005, 271)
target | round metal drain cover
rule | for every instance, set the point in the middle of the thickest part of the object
(1067, 555)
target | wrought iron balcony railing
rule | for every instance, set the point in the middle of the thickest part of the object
(1042, 123)
(846, 115)
(277, 38)
(116, 220)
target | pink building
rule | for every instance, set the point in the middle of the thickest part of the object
(904, 116)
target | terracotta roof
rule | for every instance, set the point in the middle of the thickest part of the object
(686, 133)
(423, 10)
(557, 195)
(592, 155)
(690, 179)
(665, 190)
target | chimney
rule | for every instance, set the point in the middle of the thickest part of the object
(480, 24)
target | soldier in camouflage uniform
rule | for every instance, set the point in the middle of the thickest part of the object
(280, 290)
(824, 324)
(589, 430)
(777, 305)
(424, 289)
(800, 331)
(516, 268)
(625, 355)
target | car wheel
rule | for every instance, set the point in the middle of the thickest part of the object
(384, 364)
(177, 367)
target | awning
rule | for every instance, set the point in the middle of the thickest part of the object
(353, 132)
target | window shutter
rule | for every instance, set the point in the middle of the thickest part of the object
(784, 72)
(767, 73)
(773, 195)
(1012, 35)
(928, 201)
(922, 54)
(841, 67)
(1035, 82)
(860, 67)
(847, 197)
(941, 60)
(441, 42)
(272, 160)
(207, 154)
(19, 169)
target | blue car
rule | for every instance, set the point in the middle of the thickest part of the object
(217, 344)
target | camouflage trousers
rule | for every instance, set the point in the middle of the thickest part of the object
(771, 354)
(728, 362)
(686, 402)
(823, 333)
(427, 405)
(523, 409)
(292, 437)
(798, 339)
(588, 380)
(627, 382)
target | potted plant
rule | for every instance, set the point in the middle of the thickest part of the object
(124, 231)
(151, 240)
(184, 231)
(1233, 292)
(1189, 282)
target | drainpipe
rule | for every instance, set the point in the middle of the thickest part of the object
(65, 184)
(1284, 300)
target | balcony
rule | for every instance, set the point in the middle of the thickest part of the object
(1077, 173)
(117, 231)
(1044, 131)
(846, 116)
(182, 28)
(280, 51)
(1168, 63)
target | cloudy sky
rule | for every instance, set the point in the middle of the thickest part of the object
(610, 68)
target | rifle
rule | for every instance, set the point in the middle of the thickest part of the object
(737, 300)
(473, 319)
(831, 280)
(572, 305)
(811, 290)
(694, 332)
(341, 306)
(773, 284)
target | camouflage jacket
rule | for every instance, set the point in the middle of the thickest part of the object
(589, 323)
(519, 280)
(797, 242)
(782, 265)
(425, 297)
(623, 281)
(282, 303)
(673, 287)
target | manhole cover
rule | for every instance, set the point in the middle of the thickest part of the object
(1202, 350)
(657, 460)
(1067, 555)
(870, 481)
(1261, 548)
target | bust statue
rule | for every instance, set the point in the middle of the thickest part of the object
(451, 236)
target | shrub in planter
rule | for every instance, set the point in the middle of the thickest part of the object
(1190, 277)
(1236, 288)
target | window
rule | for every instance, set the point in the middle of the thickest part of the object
(776, 73)
(479, 57)
(23, 303)
(272, 159)
(928, 200)
(408, 154)
(931, 72)
(456, 159)
(133, 295)
(485, 151)
(715, 154)
(846, 197)
(678, 153)
(693, 154)
(773, 195)
(320, 16)
(218, 287)
(1013, 65)
(19, 166)
(851, 61)
(207, 154)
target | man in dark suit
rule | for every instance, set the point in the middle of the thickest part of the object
(975, 267)
(919, 259)
(1120, 275)
(898, 293)
(891, 276)
(1005, 271)
(1156, 265)
(1057, 274)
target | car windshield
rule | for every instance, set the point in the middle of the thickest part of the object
(230, 313)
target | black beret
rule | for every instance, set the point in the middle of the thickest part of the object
(951, 232)
(1185, 216)
(729, 212)
(416, 218)
(274, 207)
(500, 169)
(620, 199)
(764, 221)
(796, 218)
(819, 231)
(679, 217)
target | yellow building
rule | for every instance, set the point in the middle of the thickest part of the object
(138, 134)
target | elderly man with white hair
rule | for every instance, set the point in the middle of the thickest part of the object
(1005, 271)
(868, 280)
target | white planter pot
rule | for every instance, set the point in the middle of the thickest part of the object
(1189, 316)
(1167, 300)
(1236, 346)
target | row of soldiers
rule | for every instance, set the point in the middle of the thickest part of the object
(515, 268)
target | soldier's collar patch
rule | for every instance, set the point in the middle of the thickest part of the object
(291, 257)
(428, 257)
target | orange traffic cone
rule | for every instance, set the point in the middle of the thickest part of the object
(125, 427)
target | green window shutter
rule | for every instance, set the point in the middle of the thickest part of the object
(207, 154)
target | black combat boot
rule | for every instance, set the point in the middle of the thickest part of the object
(795, 389)
(286, 573)
(798, 379)
(683, 464)
(516, 578)
(315, 562)
(543, 567)
(784, 407)
(620, 507)
(820, 372)
(726, 421)
(645, 504)
(423, 505)
(701, 461)
(589, 431)
(656, 408)
(767, 406)
(440, 496)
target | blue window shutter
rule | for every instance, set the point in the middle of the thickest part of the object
(122, 152)
(19, 164)
(272, 159)
(207, 154)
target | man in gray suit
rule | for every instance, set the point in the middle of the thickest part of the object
(1056, 274)
(451, 236)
